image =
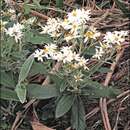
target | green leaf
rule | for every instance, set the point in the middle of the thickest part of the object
(38, 68)
(78, 115)
(36, 2)
(64, 105)
(94, 68)
(26, 68)
(27, 9)
(122, 7)
(8, 94)
(42, 92)
(59, 3)
(104, 70)
(63, 85)
(90, 51)
(21, 92)
(7, 79)
(57, 80)
(96, 90)
(37, 39)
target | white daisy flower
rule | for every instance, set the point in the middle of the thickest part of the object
(49, 51)
(11, 11)
(67, 54)
(79, 16)
(66, 25)
(78, 77)
(39, 54)
(82, 62)
(15, 31)
(58, 56)
(99, 53)
(52, 27)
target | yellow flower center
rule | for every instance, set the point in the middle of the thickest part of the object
(74, 26)
(46, 50)
(74, 13)
(77, 78)
(65, 20)
(74, 66)
(89, 34)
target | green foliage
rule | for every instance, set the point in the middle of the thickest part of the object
(38, 68)
(19, 66)
(64, 104)
(37, 39)
(96, 90)
(104, 70)
(123, 7)
(78, 115)
(21, 92)
(25, 68)
(8, 94)
(7, 79)
(59, 3)
(42, 92)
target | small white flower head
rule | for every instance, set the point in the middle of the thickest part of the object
(58, 56)
(29, 21)
(15, 31)
(116, 37)
(2, 25)
(92, 33)
(66, 25)
(52, 27)
(78, 77)
(11, 11)
(79, 16)
(67, 54)
(99, 52)
(49, 51)
(82, 62)
(39, 54)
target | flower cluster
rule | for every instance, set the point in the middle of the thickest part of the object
(65, 54)
(116, 37)
(74, 27)
(71, 26)
(110, 40)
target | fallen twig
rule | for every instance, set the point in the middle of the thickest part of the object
(32, 12)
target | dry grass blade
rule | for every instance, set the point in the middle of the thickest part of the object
(39, 126)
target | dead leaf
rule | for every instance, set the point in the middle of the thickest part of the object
(39, 126)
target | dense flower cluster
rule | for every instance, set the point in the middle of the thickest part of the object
(74, 27)
(65, 54)
(71, 29)
(70, 26)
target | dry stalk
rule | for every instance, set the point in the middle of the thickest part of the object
(118, 112)
(95, 110)
(103, 103)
